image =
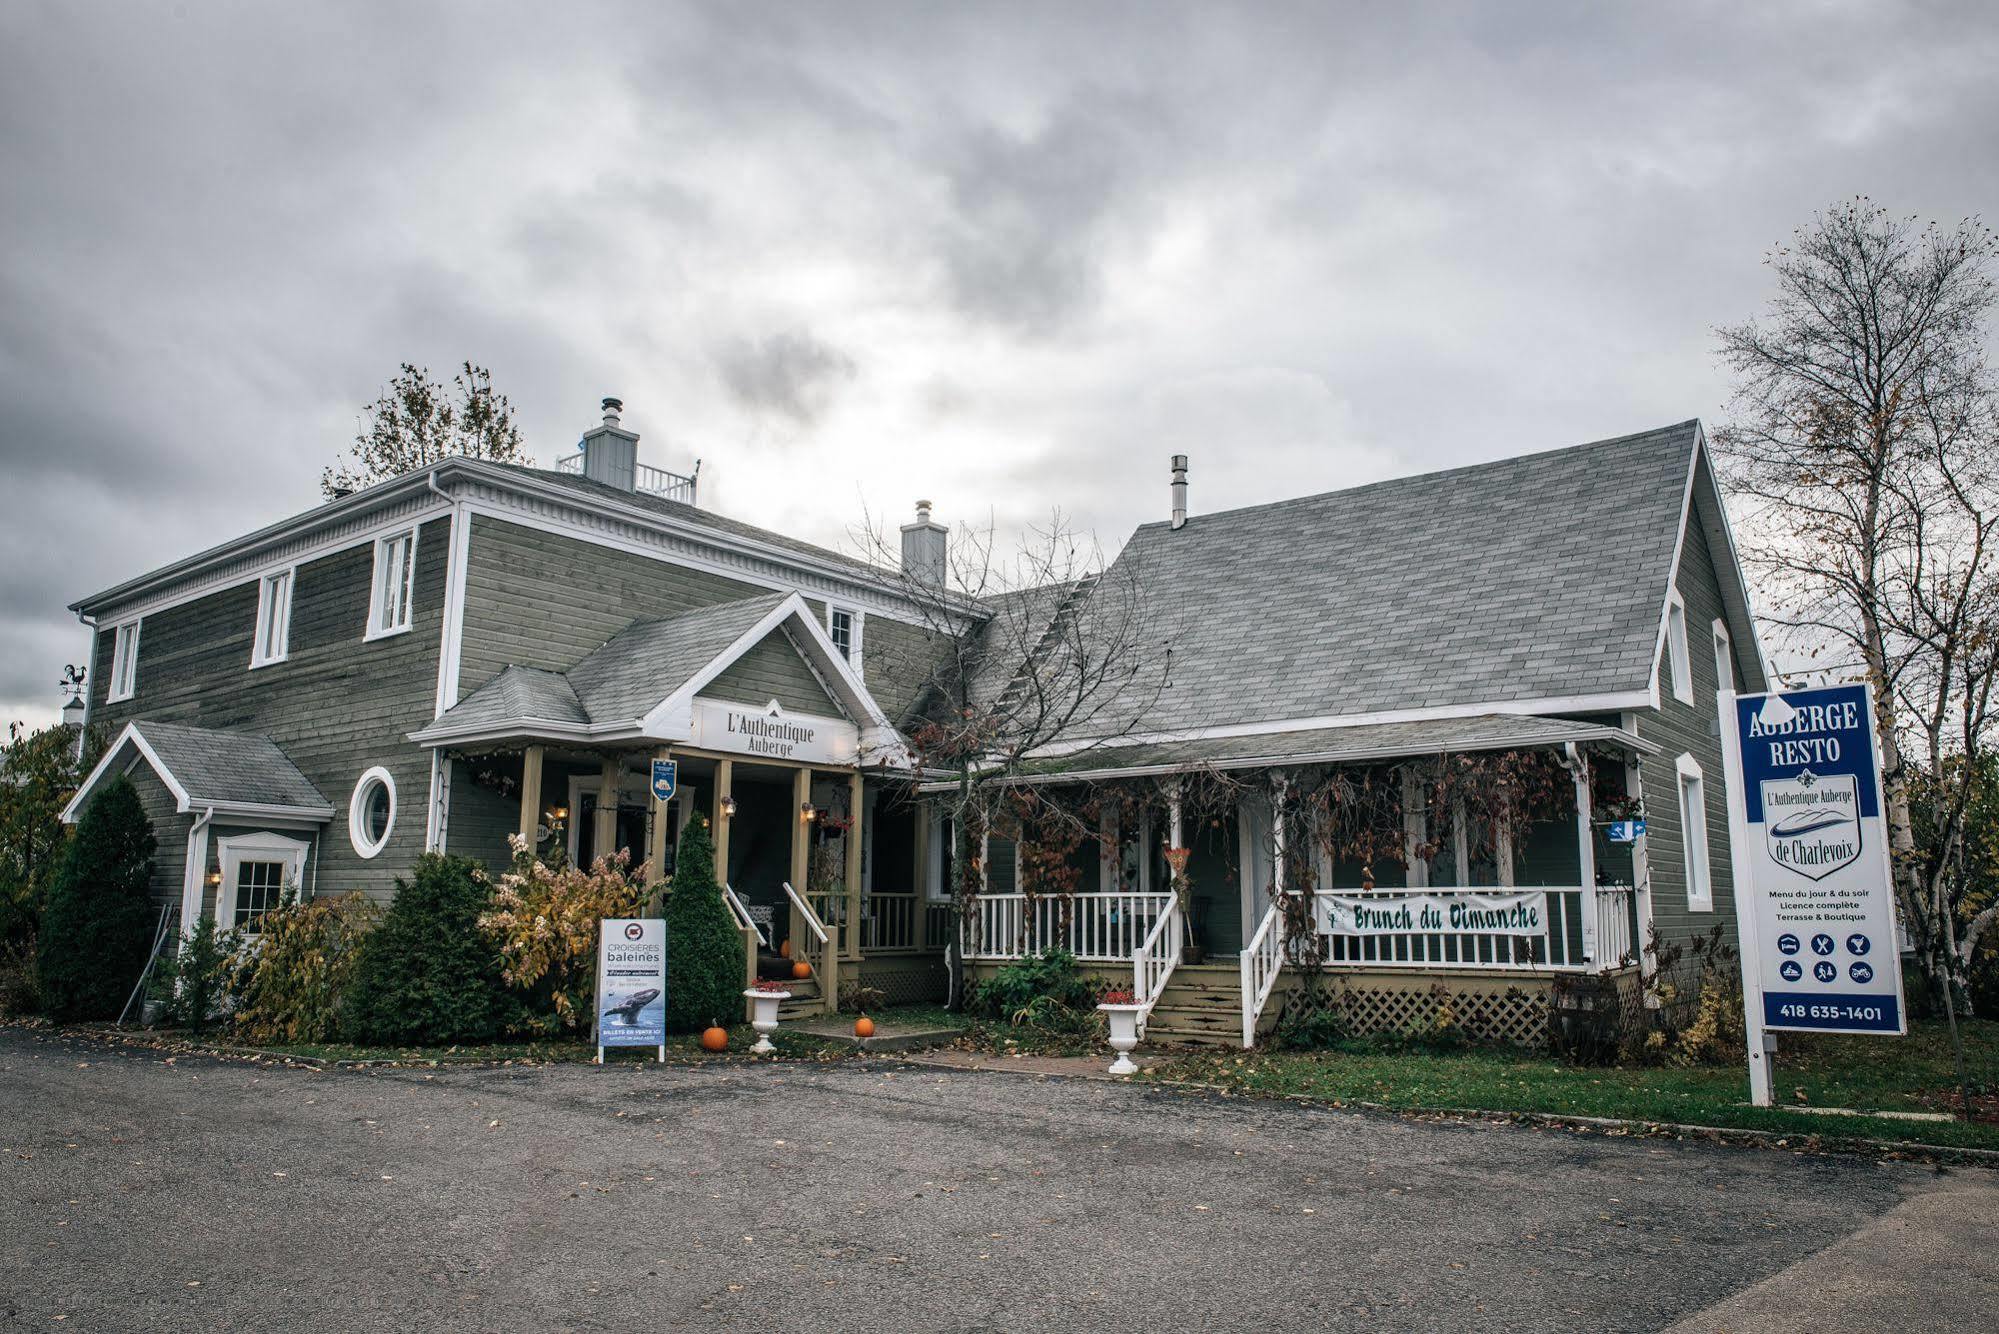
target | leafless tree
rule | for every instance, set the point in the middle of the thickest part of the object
(418, 421)
(1037, 653)
(1864, 437)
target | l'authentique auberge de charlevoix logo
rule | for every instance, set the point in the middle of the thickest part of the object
(1812, 823)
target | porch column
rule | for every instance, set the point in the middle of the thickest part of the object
(662, 818)
(801, 833)
(607, 807)
(1585, 855)
(1175, 833)
(725, 774)
(920, 880)
(1280, 789)
(856, 811)
(531, 795)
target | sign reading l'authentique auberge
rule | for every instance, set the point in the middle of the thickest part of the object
(772, 732)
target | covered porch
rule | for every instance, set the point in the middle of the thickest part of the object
(1368, 853)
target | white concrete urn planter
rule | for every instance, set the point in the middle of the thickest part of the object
(1123, 1019)
(764, 1019)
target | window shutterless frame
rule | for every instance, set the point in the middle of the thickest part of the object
(394, 583)
(371, 812)
(274, 619)
(1676, 648)
(1692, 786)
(256, 871)
(124, 662)
(843, 627)
(1724, 657)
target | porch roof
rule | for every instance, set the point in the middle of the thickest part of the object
(1333, 745)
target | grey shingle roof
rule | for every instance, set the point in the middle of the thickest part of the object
(650, 659)
(1529, 578)
(231, 768)
(634, 670)
(1430, 736)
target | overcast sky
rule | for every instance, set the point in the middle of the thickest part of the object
(1005, 257)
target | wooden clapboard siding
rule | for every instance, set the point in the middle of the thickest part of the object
(898, 660)
(337, 705)
(772, 670)
(1691, 729)
(170, 834)
(540, 599)
(481, 816)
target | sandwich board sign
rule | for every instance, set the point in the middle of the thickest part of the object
(1814, 896)
(631, 984)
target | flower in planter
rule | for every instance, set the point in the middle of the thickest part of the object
(771, 986)
(1118, 996)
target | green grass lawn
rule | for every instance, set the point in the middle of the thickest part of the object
(1911, 1074)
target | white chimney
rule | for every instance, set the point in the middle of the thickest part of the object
(1179, 489)
(610, 452)
(924, 548)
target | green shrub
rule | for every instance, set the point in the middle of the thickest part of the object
(290, 987)
(1033, 984)
(98, 918)
(191, 982)
(427, 974)
(1312, 1018)
(544, 924)
(704, 947)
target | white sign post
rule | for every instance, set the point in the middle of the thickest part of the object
(631, 984)
(1814, 896)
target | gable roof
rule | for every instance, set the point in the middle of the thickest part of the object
(236, 773)
(1537, 580)
(642, 681)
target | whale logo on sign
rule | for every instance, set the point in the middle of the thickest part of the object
(1812, 824)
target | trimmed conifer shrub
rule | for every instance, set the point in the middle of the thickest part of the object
(427, 975)
(98, 918)
(704, 948)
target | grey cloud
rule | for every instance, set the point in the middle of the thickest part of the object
(792, 374)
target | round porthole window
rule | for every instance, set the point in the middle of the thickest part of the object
(372, 812)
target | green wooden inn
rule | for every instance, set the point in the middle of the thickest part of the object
(477, 651)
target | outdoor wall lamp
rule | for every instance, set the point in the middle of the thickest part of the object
(215, 877)
(808, 812)
(559, 813)
(728, 808)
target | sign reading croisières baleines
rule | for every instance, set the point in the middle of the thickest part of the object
(631, 983)
(1524, 913)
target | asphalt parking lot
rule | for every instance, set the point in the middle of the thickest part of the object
(142, 1192)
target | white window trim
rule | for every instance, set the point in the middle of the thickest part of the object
(1698, 870)
(356, 833)
(1677, 661)
(376, 587)
(281, 621)
(235, 849)
(1724, 656)
(124, 681)
(856, 619)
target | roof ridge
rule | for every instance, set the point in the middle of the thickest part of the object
(1431, 476)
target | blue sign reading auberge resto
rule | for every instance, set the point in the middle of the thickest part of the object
(1818, 888)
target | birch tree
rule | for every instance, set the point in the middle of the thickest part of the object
(1862, 440)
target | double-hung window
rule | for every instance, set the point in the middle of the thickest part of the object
(395, 574)
(1693, 834)
(1676, 649)
(124, 662)
(274, 619)
(843, 627)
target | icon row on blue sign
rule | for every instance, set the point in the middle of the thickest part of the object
(1822, 944)
(1825, 971)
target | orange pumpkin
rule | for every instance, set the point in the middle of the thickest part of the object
(801, 969)
(864, 1027)
(784, 949)
(715, 1038)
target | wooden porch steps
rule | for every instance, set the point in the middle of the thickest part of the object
(1201, 1006)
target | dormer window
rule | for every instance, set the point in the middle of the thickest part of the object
(124, 662)
(274, 619)
(1676, 649)
(843, 627)
(395, 574)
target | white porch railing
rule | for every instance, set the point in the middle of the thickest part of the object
(888, 923)
(1261, 963)
(740, 911)
(646, 479)
(753, 938)
(814, 944)
(1153, 961)
(1587, 930)
(1096, 928)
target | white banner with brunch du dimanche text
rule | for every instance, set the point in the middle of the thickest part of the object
(1522, 913)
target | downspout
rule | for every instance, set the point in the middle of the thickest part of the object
(89, 686)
